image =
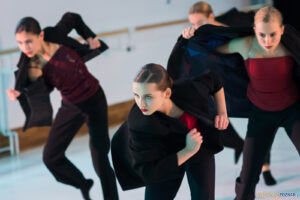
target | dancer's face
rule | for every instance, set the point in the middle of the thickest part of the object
(268, 34)
(199, 19)
(29, 43)
(148, 98)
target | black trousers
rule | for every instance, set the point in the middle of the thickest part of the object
(68, 120)
(231, 139)
(262, 127)
(201, 179)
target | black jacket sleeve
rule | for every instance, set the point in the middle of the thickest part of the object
(70, 21)
(211, 80)
(59, 34)
(152, 160)
(236, 18)
(173, 66)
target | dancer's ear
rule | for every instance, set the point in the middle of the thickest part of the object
(168, 92)
(41, 35)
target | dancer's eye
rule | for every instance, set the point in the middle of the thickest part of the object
(262, 35)
(148, 97)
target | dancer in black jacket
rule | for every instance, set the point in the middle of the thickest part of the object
(163, 134)
(52, 59)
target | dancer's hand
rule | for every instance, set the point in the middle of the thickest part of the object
(193, 141)
(13, 94)
(192, 146)
(188, 32)
(93, 43)
(221, 121)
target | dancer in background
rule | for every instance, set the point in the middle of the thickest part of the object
(52, 59)
(163, 134)
(201, 13)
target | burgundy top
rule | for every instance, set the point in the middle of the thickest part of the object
(68, 73)
(271, 85)
(190, 120)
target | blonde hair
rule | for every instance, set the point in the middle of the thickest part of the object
(267, 14)
(201, 7)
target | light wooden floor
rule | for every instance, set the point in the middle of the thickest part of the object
(25, 177)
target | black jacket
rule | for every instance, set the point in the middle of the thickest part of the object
(144, 148)
(236, 18)
(198, 55)
(232, 18)
(35, 97)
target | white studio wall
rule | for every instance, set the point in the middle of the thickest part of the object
(117, 67)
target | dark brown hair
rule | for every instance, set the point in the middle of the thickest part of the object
(154, 73)
(29, 25)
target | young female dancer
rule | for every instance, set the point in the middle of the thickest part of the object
(272, 90)
(51, 59)
(200, 14)
(163, 135)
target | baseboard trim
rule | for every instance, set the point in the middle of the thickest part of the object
(4, 142)
(37, 136)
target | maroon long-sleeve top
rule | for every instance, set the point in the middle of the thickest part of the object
(68, 73)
